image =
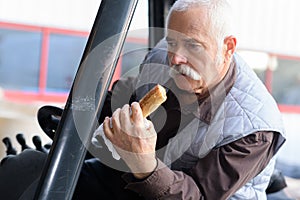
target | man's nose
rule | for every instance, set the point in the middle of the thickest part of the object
(177, 59)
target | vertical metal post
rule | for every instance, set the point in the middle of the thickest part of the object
(63, 166)
(157, 15)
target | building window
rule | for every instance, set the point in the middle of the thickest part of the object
(19, 67)
(286, 82)
(65, 52)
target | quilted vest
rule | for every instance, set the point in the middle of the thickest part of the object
(246, 109)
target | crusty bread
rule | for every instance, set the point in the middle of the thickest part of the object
(152, 100)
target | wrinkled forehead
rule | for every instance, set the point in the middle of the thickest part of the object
(176, 35)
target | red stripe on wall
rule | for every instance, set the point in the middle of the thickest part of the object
(44, 61)
(289, 108)
(28, 97)
(21, 27)
(24, 27)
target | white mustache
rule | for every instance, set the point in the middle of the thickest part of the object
(185, 70)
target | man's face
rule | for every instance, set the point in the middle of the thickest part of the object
(193, 52)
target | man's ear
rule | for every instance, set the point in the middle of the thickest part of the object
(229, 47)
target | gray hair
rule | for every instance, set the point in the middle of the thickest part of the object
(219, 14)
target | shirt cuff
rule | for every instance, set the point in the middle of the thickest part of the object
(154, 185)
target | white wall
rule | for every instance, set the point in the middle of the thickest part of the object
(268, 25)
(70, 14)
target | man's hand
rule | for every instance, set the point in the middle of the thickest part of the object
(134, 141)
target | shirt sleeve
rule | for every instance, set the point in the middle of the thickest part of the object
(216, 176)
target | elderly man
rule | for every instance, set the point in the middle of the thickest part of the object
(235, 128)
(217, 134)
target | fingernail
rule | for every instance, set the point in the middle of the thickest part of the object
(133, 103)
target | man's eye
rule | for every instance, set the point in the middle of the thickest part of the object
(195, 47)
(171, 44)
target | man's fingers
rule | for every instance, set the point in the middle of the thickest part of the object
(128, 120)
(137, 115)
(125, 114)
(115, 119)
(106, 128)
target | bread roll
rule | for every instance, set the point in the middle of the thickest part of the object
(152, 100)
